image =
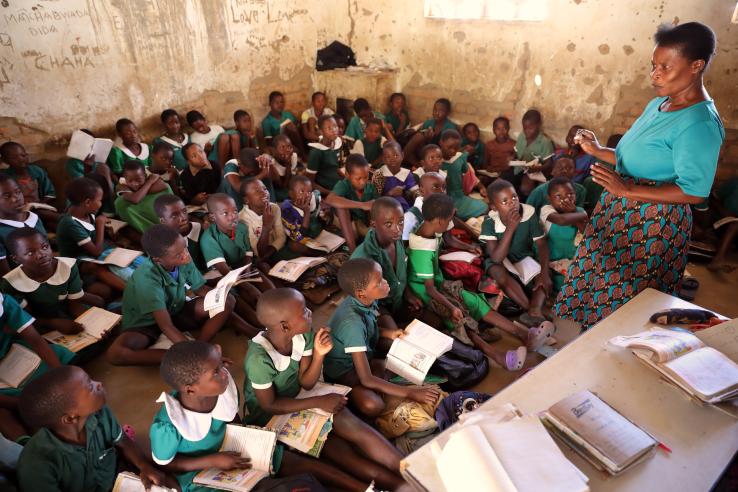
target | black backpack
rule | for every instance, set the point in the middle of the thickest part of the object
(463, 366)
(335, 55)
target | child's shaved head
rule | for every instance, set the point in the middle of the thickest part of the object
(47, 398)
(218, 199)
(356, 274)
(383, 204)
(270, 310)
(426, 178)
(184, 363)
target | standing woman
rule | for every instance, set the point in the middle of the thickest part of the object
(639, 232)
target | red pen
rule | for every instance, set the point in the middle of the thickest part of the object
(664, 447)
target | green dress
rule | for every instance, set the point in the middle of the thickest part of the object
(560, 239)
(394, 121)
(466, 207)
(119, 154)
(353, 329)
(395, 275)
(323, 163)
(140, 215)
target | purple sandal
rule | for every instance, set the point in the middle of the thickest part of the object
(538, 335)
(514, 359)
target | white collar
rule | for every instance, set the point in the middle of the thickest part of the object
(194, 426)
(402, 174)
(30, 221)
(453, 159)
(420, 171)
(281, 362)
(422, 243)
(2, 308)
(174, 143)
(337, 144)
(87, 225)
(23, 283)
(528, 211)
(194, 234)
(141, 157)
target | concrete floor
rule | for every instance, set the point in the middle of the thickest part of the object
(132, 391)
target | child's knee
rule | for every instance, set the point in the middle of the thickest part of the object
(230, 303)
(371, 407)
(498, 273)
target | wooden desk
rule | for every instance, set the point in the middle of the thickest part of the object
(703, 440)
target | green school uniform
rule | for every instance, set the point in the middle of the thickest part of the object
(539, 196)
(140, 215)
(466, 207)
(71, 233)
(476, 158)
(49, 464)
(37, 182)
(323, 163)
(355, 127)
(542, 146)
(7, 226)
(447, 125)
(231, 168)
(526, 234)
(218, 246)
(179, 159)
(152, 288)
(394, 121)
(370, 150)
(45, 299)
(119, 154)
(265, 368)
(193, 246)
(272, 126)
(244, 140)
(343, 188)
(560, 239)
(76, 168)
(423, 265)
(395, 275)
(353, 329)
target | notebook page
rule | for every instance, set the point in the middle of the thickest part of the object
(129, 482)
(101, 149)
(80, 145)
(706, 370)
(256, 444)
(428, 338)
(322, 388)
(664, 344)
(98, 321)
(122, 257)
(464, 256)
(723, 337)
(18, 364)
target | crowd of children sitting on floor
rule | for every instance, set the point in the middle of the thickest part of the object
(199, 205)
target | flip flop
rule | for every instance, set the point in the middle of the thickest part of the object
(514, 359)
(538, 335)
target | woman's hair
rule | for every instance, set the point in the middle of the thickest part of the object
(694, 40)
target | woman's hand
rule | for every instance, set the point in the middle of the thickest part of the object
(610, 180)
(587, 140)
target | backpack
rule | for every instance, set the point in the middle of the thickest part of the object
(464, 366)
(457, 403)
(335, 55)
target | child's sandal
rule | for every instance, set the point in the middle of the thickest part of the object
(514, 359)
(538, 335)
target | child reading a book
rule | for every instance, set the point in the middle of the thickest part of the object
(355, 335)
(397, 117)
(324, 158)
(472, 145)
(13, 215)
(249, 164)
(136, 195)
(309, 117)
(562, 167)
(128, 147)
(499, 151)
(243, 136)
(393, 179)
(263, 220)
(512, 233)
(287, 357)
(363, 113)
(301, 216)
(352, 198)
(370, 145)
(455, 166)
(82, 167)
(201, 178)
(78, 440)
(38, 190)
(155, 301)
(172, 212)
(211, 138)
(425, 279)
(174, 136)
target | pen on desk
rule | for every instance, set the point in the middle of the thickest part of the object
(664, 447)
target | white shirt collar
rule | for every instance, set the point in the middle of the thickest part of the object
(141, 157)
(528, 211)
(90, 226)
(337, 144)
(174, 143)
(281, 362)
(30, 221)
(453, 159)
(194, 234)
(23, 283)
(420, 171)
(402, 174)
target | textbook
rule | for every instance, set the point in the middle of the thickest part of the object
(17, 366)
(116, 225)
(290, 270)
(464, 256)
(97, 323)
(685, 361)
(252, 442)
(599, 433)
(215, 299)
(526, 269)
(130, 482)
(120, 257)
(82, 145)
(412, 355)
(326, 241)
(36, 205)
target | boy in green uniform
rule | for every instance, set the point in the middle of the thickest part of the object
(532, 144)
(130, 147)
(364, 113)
(13, 215)
(174, 136)
(285, 358)
(352, 198)
(135, 202)
(455, 166)
(370, 145)
(355, 336)
(279, 121)
(324, 158)
(172, 212)
(562, 167)
(78, 440)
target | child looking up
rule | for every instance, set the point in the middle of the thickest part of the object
(352, 198)
(128, 148)
(174, 136)
(136, 195)
(455, 166)
(286, 357)
(263, 220)
(323, 160)
(243, 136)
(363, 113)
(397, 117)
(301, 216)
(279, 121)
(396, 181)
(250, 164)
(499, 151)
(201, 178)
(370, 145)
(172, 212)
(309, 118)
(13, 215)
(355, 335)
(78, 440)
(211, 138)
(472, 145)
(563, 167)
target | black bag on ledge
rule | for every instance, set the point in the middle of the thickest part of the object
(335, 55)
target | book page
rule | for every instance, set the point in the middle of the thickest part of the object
(709, 372)
(234, 480)
(17, 365)
(292, 269)
(101, 149)
(121, 257)
(254, 443)
(73, 343)
(409, 361)
(129, 482)
(723, 337)
(116, 225)
(464, 256)
(329, 241)
(80, 145)
(427, 338)
(98, 321)
(300, 430)
(663, 344)
(526, 269)
(321, 389)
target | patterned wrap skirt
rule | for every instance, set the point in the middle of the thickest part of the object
(628, 246)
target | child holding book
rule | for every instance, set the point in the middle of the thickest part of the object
(172, 212)
(499, 151)
(532, 144)
(263, 220)
(472, 145)
(355, 335)
(136, 195)
(201, 178)
(455, 165)
(211, 138)
(78, 440)
(129, 147)
(77, 167)
(324, 158)
(13, 215)
(393, 179)
(301, 216)
(352, 198)
(309, 117)
(286, 357)
(174, 136)
(370, 145)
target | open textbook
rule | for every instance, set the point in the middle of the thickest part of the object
(130, 482)
(684, 360)
(599, 433)
(97, 323)
(116, 225)
(252, 442)
(526, 269)
(120, 257)
(325, 241)
(215, 299)
(81, 145)
(290, 270)
(17, 366)
(412, 355)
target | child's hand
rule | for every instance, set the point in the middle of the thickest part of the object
(428, 394)
(332, 403)
(265, 164)
(267, 218)
(323, 342)
(66, 326)
(303, 203)
(153, 178)
(456, 314)
(88, 163)
(229, 460)
(393, 334)
(200, 198)
(513, 218)
(101, 221)
(413, 301)
(396, 191)
(367, 205)
(151, 476)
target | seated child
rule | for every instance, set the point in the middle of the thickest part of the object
(286, 357)
(582, 161)
(370, 145)
(250, 164)
(725, 200)
(201, 178)
(155, 301)
(48, 287)
(13, 215)
(162, 163)
(561, 221)
(78, 440)
(279, 121)
(285, 164)
(472, 145)
(309, 118)
(439, 122)
(301, 216)
(136, 195)
(499, 151)
(425, 279)
(363, 113)
(431, 159)
(172, 212)
(18, 328)
(455, 166)
(38, 190)
(393, 179)
(397, 117)
(324, 158)
(532, 143)
(243, 136)
(263, 220)
(174, 136)
(513, 231)
(129, 147)
(563, 167)
(352, 198)
(211, 138)
(355, 335)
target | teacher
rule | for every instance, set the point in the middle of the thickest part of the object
(639, 232)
